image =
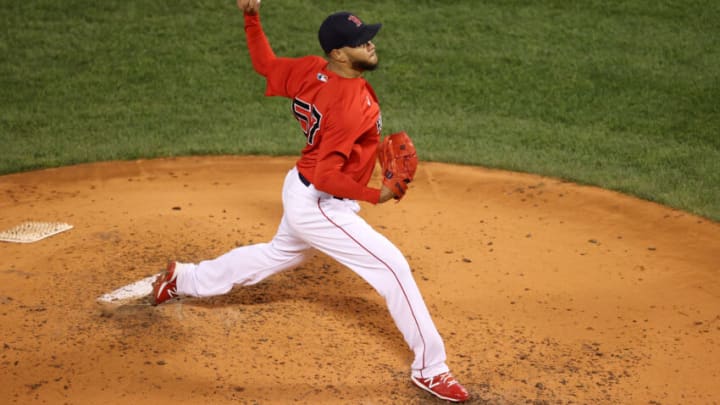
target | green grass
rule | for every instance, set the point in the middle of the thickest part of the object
(620, 94)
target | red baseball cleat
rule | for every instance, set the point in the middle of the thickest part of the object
(165, 285)
(443, 386)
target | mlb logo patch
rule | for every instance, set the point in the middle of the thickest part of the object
(323, 78)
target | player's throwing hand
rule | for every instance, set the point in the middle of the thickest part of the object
(249, 6)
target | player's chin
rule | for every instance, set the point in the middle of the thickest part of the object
(368, 65)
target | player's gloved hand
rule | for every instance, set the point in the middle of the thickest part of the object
(398, 160)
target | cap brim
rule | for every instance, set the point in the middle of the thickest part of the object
(368, 33)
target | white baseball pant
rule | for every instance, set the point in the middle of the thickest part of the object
(314, 219)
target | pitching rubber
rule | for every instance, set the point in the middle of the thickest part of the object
(131, 292)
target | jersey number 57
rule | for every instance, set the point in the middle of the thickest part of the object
(309, 118)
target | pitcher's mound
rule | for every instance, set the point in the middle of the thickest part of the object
(544, 291)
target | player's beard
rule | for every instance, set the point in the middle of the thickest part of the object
(364, 66)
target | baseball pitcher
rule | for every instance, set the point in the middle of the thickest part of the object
(339, 115)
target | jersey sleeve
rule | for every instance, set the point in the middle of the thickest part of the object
(261, 53)
(339, 146)
(341, 128)
(331, 180)
(281, 74)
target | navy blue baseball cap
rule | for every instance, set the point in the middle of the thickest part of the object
(345, 29)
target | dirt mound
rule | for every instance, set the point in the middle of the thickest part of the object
(545, 292)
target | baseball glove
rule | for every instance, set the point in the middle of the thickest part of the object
(398, 160)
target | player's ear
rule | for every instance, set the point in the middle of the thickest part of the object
(338, 55)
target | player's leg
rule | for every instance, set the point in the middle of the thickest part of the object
(245, 265)
(351, 241)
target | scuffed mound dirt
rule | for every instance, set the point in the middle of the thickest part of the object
(545, 292)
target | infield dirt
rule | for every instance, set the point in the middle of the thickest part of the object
(545, 292)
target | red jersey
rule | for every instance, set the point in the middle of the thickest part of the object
(340, 117)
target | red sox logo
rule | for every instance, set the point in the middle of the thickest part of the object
(355, 20)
